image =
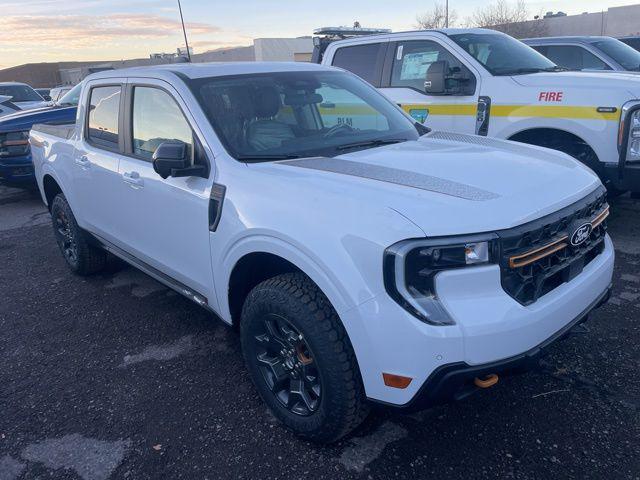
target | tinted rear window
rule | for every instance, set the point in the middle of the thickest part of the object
(364, 60)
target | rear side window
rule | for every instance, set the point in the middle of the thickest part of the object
(366, 61)
(104, 111)
(157, 118)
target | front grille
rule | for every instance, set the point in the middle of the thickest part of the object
(537, 257)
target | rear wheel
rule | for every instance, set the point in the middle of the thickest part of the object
(300, 358)
(81, 257)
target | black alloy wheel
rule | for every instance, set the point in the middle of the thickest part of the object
(287, 365)
(65, 236)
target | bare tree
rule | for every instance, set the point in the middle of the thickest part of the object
(510, 18)
(436, 18)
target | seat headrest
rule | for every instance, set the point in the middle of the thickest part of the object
(266, 102)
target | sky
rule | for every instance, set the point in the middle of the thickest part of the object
(69, 30)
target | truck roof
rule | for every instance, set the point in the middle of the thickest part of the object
(441, 31)
(576, 38)
(216, 69)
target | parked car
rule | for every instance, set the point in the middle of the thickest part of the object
(363, 262)
(16, 166)
(58, 92)
(488, 83)
(21, 96)
(633, 42)
(44, 93)
(598, 54)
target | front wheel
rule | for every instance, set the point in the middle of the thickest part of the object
(300, 358)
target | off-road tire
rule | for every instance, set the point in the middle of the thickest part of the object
(342, 403)
(81, 257)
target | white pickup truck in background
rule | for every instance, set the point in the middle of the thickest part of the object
(488, 83)
(362, 262)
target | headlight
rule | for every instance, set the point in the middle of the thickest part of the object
(410, 268)
(14, 144)
(629, 139)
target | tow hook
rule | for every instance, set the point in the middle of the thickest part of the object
(487, 382)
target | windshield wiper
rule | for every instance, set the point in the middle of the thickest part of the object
(266, 157)
(556, 68)
(370, 143)
(524, 71)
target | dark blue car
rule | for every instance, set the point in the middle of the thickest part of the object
(16, 166)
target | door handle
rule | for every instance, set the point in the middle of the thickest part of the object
(133, 179)
(83, 161)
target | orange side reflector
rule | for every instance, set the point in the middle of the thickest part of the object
(396, 381)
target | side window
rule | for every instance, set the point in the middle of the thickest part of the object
(413, 59)
(574, 58)
(104, 111)
(366, 61)
(591, 62)
(156, 119)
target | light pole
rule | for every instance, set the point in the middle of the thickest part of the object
(446, 14)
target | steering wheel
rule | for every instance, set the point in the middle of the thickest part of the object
(337, 129)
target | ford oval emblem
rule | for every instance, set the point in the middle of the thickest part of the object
(581, 234)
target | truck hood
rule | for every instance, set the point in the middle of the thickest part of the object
(450, 184)
(33, 104)
(24, 120)
(626, 81)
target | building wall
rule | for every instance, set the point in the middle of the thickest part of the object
(615, 22)
(281, 49)
(264, 49)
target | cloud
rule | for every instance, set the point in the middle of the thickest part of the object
(20, 32)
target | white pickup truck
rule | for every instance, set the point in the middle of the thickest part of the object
(488, 83)
(381, 264)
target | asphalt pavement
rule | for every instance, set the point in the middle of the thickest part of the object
(116, 377)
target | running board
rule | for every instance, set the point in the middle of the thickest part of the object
(153, 272)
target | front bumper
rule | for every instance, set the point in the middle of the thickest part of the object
(626, 179)
(456, 381)
(491, 330)
(17, 170)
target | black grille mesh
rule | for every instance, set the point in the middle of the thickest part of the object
(528, 283)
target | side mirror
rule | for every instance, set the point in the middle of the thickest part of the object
(435, 81)
(170, 158)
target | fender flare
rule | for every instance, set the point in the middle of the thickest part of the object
(328, 283)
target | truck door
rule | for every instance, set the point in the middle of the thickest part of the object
(164, 222)
(95, 167)
(406, 68)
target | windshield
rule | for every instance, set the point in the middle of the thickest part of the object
(622, 53)
(20, 93)
(502, 54)
(72, 97)
(282, 115)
